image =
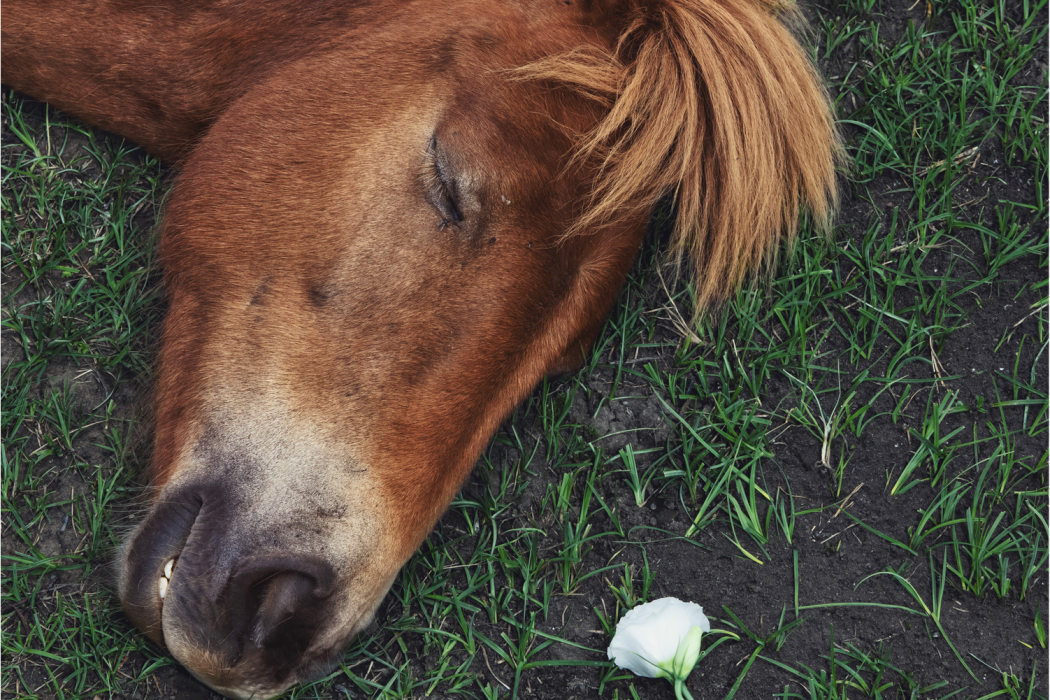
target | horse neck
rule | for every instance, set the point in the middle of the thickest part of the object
(159, 73)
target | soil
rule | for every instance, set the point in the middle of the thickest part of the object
(835, 556)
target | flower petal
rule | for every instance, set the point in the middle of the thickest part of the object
(648, 637)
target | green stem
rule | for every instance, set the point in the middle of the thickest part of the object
(680, 691)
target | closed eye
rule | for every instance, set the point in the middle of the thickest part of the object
(439, 184)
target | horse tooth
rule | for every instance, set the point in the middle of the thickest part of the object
(168, 567)
(163, 586)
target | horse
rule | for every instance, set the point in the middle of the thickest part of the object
(391, 220)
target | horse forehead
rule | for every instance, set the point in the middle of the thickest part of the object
(484, 24)
(475, 39)
(525, 128)
(463, 53)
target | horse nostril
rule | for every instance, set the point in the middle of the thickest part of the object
(282, 598)
(279, 604)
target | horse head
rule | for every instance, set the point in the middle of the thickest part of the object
(391, 221)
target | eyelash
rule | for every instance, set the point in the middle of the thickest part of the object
(437, 190)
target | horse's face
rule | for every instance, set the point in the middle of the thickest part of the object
(366, 273)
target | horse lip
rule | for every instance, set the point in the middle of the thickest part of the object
(157, 541)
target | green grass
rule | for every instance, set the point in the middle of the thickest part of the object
(899, 367)
(79, 300)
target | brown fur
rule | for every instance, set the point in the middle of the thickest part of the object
(391, 221)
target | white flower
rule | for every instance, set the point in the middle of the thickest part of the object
(660, 639)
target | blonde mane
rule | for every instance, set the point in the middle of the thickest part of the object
(714, 102)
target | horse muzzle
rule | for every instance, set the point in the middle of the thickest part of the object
(250, 607)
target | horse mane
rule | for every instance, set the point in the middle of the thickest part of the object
(715, 103)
